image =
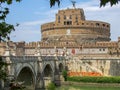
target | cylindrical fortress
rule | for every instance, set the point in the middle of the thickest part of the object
(71, 23)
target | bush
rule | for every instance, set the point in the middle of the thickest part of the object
(64, 73)
(51, 86)
(95, 79)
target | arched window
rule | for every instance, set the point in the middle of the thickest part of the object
(97, 24)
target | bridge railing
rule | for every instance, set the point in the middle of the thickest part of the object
(100, 58)
(21, 58)
(52, 57)
(33, 58)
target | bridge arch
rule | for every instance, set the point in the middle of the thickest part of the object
(26, 74)
(48, 74)
(48, 71)
(25, 65)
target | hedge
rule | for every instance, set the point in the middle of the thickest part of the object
(95, 79)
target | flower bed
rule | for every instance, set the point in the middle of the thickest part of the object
(84, 74)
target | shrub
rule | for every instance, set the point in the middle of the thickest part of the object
(51, 86)
(95, 79)
(64, 73)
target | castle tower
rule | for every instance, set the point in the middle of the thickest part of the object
(71, 23)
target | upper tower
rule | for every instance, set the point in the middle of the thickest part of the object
(71, 25)
(69, 17)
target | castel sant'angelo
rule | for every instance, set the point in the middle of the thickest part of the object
(72, 35)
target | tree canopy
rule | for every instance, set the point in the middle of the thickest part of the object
(5, 28)
(3, 73)
(102, 2)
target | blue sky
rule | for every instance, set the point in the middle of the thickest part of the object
(30, 14)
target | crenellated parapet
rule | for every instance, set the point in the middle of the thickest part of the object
(111, 44)
(47, 48)
(6, 45)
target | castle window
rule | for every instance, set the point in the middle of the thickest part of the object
(64, 17)
(82, 23)
(103, 25)
(67, 22)
(97, 24)
(107, 25)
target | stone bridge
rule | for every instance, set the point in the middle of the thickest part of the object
(35, 71)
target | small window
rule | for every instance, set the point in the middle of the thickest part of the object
(82, 23)
(67, 22)
(103, 49)
(97, 24)
(107, 25)
(103, 25)
(65, 17)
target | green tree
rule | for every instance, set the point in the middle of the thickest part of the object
(64, 73)
(102, 2)
(112, 2)
(5, 28)
(3, 73)
(51, 86)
